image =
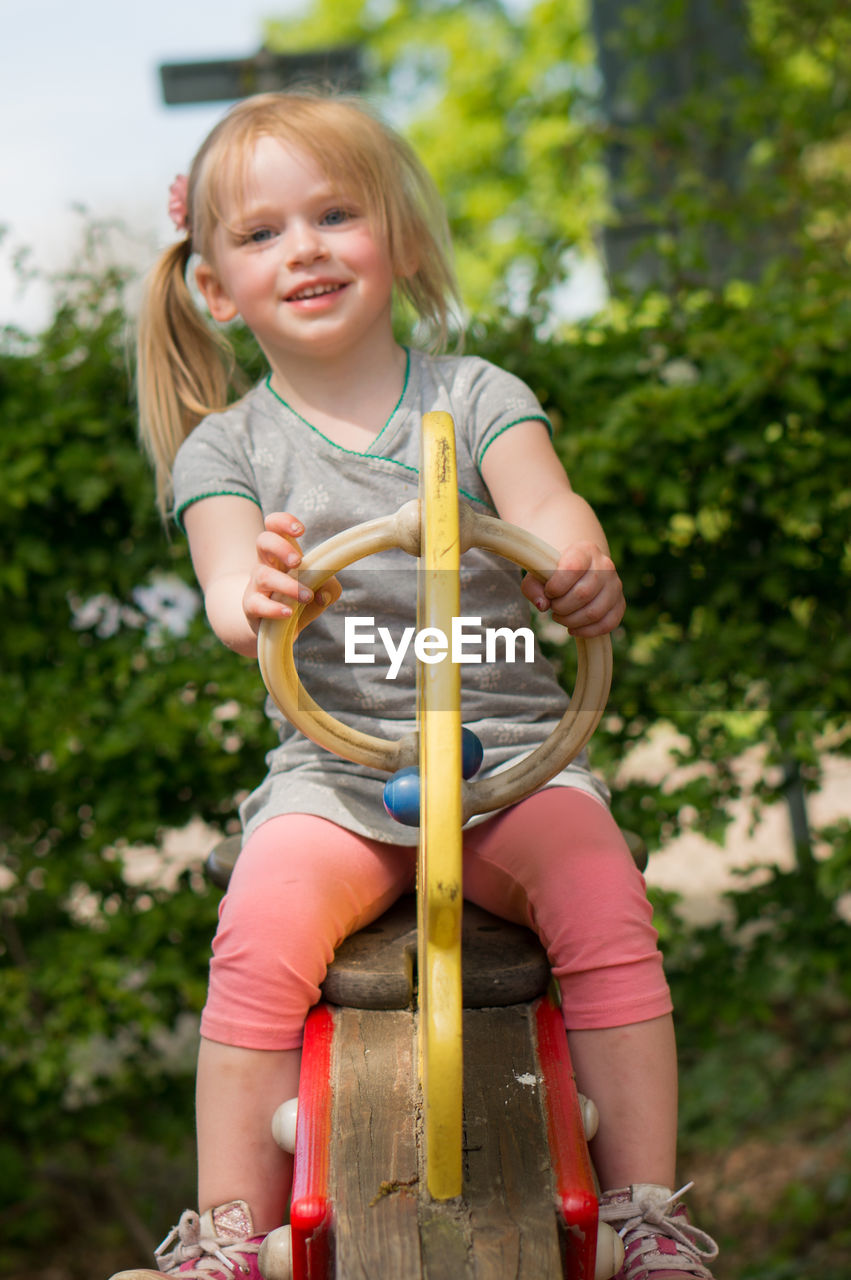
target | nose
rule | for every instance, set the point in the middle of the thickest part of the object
(304, 244)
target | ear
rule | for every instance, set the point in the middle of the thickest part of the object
(215, 295)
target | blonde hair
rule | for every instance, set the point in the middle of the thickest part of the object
(186, 369)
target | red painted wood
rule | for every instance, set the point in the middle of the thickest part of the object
(310, 1214)
(576, 1198)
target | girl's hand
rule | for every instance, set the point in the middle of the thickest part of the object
(584, 593)
(271, 587)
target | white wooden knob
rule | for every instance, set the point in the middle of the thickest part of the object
(610, 1252)
(284, 1123)
(590, 1116)
(275, 1258)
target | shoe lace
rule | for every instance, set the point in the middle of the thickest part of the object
(644, 1218)
(194, 1237)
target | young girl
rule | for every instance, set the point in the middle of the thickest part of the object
(308, 218)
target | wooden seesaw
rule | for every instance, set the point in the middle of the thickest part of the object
(439, 1132)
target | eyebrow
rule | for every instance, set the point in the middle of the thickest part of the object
(248, 212)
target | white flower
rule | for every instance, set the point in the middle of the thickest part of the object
(102, 614)
(169, 603)
(679, 373)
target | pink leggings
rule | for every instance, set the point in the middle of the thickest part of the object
(555, 862)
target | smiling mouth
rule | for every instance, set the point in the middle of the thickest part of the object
(315, 291)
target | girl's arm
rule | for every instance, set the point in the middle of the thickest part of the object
(529, 488)
(241, 562)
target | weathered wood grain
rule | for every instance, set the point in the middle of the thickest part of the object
(508, 1184)
(374, 1147)
(504, 1227)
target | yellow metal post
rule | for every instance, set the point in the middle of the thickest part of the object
(439, 872)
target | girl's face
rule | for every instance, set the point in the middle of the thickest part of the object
(297, 259)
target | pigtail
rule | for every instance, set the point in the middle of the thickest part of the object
(185, 369)
(423, 241)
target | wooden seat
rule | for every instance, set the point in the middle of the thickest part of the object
(502, 963)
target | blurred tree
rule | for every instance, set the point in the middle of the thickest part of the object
(727, 123)
(722, 118)
(674, 72)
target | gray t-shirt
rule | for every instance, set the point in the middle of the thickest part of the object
(262, 450)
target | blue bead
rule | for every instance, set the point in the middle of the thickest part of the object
(402, 796)
(472, 753)
(402, 790)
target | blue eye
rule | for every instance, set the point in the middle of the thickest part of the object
(260, 235)
(335, 217)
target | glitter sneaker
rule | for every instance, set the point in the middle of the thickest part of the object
(660, 1242)
(217, 1245)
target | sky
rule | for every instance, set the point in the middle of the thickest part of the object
(82, 121)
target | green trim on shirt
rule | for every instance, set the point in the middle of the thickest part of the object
(357, 452)
(216, 493)
(537, 417)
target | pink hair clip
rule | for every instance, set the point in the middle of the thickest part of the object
(178, 208)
